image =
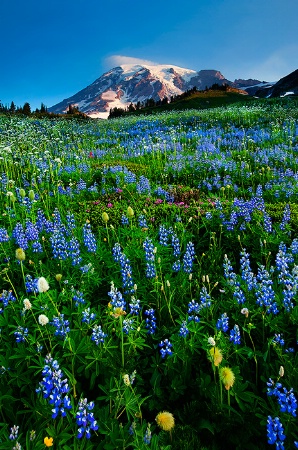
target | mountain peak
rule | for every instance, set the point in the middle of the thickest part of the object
(132, 83)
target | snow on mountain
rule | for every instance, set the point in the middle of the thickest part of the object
(132, 83)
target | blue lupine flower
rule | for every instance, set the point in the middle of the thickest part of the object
(124, 220)
(230, 276)
(126, 269)
(176, 266)
(3, 235)
(165, 348)
(14, 431)
(89, 238)
(19, 235)
(278, 339)
(142, 221)
(239, 294)
(147, 437)
(117, 301)
(264, 292)
(164, 234)
(128, 325)
(78, 298)
(275, 432)
(5, 298)
(150, 258)
(188, 258)
(132, 428)
(21, 334)
(85, 419)
(286, 399)
(235, 335)
(31, 232)
(98, 336)
(31, 285)
(71, 223)
(193, 309)
(74, 251)
(286, 217)
(294, 246)
(88, 316)
(176, 245)
(205, 298)
(223, 322)
(54, 386)
(59, 245)
(143, 186)
(246, 272)
(134, 306)
(267, 222)
(183, 329)
(61, 325)
(37, 247)
(86, 268)
(150, 320)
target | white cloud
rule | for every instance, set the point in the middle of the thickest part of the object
(118, 60)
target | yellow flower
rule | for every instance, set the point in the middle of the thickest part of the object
(48, 442)
(165, 420)
(130, 212)
(227, 377)
(216, 355)
(20, 254)
(105, 217)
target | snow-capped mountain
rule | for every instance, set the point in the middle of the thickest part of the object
(287, 85)
(131, 83)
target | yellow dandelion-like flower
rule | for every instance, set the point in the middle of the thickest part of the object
(20, 254)
(117, 312)
(227, 377)
(216, 355)
(48, 442)
(165, 420)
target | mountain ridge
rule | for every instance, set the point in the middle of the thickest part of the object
(133, 83)
(136, 83)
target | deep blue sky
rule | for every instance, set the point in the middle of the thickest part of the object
(51, 49)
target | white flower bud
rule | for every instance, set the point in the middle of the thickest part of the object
(42, 285)
(27, 304)
(43, 320)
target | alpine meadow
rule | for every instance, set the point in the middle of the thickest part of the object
(149, 280)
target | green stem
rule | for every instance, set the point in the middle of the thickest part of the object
(122, 341)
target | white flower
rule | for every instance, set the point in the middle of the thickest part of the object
(27, 304)
(42, 285)
(245, 312)
(43, 320)
(281, 371)
(211, 341)
(126, 379)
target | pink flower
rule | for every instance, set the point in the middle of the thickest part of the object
(110, 205)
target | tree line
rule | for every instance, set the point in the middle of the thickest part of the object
(151, 103)
(25, 110)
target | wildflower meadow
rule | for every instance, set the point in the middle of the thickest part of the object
(149, 280)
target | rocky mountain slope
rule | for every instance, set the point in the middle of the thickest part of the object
(136, 83)
(287, 85)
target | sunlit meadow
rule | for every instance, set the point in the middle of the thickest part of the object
(149, 277)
